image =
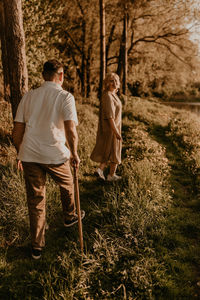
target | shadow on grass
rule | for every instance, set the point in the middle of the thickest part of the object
(182, 225)
(179, 242)
(182, 181)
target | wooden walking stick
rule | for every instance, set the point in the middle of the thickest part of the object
(78, 209)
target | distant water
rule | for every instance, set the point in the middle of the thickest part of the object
(191, 106)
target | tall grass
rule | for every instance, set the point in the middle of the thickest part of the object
(182, 127)
(136, 234)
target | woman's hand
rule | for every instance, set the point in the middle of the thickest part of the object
(114, 129)
(119, 137)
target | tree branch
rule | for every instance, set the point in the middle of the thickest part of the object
(81, 8)
(153, 38)
(75, 44)
(173, 53)
(112, 57)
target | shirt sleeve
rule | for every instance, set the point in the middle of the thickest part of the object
(69, 109)
(108, 107)
(20, 114)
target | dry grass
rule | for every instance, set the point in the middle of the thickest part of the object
(7, 151)
(136, 231)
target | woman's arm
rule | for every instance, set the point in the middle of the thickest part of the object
(114, 128)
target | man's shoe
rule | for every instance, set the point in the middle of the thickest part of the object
(113, 178)
(99, 172)
(36, 253)
(74, 220)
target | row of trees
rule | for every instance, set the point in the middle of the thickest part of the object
(147, 42)
(134, 32)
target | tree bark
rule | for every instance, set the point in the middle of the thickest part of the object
(102, 46)
(83, 62)
(110, 40)
(125, 49)
(120, 58)
(4, 54)
(15, 46)
(88, 65)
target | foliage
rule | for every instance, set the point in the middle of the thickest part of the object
(38, 16)
(70, 31)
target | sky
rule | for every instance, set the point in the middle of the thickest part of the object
(195, 36)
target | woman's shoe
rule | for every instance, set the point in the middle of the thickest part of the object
(36, 253)
(100, 173)
(113, 178)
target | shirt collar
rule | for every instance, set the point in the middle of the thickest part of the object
(52, 84)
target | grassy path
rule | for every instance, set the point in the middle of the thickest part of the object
(181, 244)
(178, 245)
(141, 234)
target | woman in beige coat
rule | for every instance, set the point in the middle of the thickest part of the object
(109, 141)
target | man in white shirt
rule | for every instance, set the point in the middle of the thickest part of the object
(45, 122)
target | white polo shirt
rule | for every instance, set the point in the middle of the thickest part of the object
(44, 111)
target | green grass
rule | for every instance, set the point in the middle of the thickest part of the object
(141, 235)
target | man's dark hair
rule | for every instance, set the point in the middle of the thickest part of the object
(50, 68)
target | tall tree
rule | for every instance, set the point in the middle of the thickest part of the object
(125, 48)
(4, 53)
(161, 23)
(102, 45)
(15, 48)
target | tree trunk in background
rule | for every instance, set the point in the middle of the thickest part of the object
(15, 45)
(88, 66)
(4, 54)
(102, 46)
(109, 42)
(83, 62)
(120, 58)
(125, 49)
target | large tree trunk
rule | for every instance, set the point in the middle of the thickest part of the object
(15, 45)
(102, 45)
(4, 53)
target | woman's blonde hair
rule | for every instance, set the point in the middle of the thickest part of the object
(107, 79)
